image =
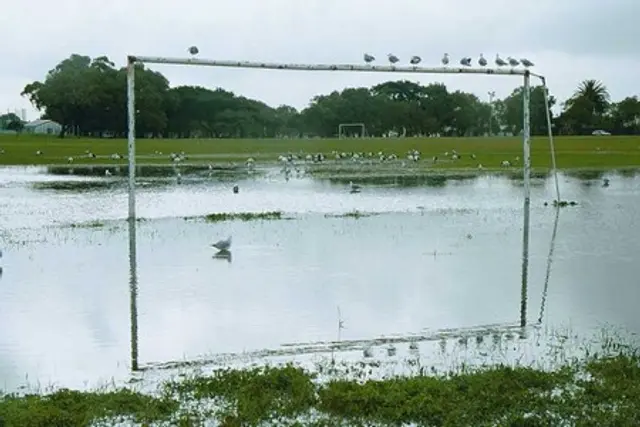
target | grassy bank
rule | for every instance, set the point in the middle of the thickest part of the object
(595, 391)
(572, 152)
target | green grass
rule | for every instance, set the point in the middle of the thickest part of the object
(572, 152)
(239, 216)
(595, 391)
(355, 214)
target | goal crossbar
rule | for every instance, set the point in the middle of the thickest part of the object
(331, 67)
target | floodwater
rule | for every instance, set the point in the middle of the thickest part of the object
(434, 256)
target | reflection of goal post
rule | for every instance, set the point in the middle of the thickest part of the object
(360, 127)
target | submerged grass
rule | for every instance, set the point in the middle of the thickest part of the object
(239, 216)
(71, 408)
(356, 214)
(571, 152)
(599, 390)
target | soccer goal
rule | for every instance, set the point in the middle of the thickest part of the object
(352, 130)
(525, 74)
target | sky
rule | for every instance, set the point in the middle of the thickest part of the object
(569, 41)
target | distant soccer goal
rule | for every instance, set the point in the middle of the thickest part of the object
(352, 130)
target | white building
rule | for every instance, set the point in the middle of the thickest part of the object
(48, 127)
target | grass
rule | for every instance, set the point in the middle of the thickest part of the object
(599, 390)
(239, 216)
(355, 214)
(572, 152)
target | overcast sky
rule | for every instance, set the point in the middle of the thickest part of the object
(569, 40)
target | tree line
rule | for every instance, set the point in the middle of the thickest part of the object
(87, 97)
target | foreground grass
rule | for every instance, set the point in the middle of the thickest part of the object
(597, 391)
(572, 152)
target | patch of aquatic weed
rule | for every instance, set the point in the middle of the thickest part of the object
(75, 408)
(239, 216)
(353, 214)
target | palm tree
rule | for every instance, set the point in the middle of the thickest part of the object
(586, 109)
(593, 93)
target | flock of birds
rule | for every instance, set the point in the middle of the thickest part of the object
(415, 59)
(465, 61)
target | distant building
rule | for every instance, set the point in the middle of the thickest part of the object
(47, 127)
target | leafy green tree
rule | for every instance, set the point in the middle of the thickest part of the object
(511, 115)
(625, 116)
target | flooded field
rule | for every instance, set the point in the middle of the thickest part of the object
(402, 261)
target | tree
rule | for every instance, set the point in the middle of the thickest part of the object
(88, 96)
(7, 120)
(625, 116)
(513, 109)
(585, 110)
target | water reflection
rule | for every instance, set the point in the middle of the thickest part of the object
(406, 181)
(525, 261)
(133, 290)
(224, 255)
(552, 247)
(149, 171)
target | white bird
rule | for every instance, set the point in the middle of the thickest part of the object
(369, 58)
(526, 62)
(466, 62)
(415, 60)
(445, 59)
(392, 58)
(513, 61)
(499, 61)
(482, 61)
(223, 245)
(193, 50)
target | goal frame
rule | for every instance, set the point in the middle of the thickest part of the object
(341, 127)
(525, 74)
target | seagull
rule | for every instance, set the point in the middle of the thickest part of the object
(513, 62)
(466, 62)
(392, 58)
(193, 50)
(223, 245)
(355, 188)
(499, 61)
(369, 58)
(415, 60)
(445, 59)
(482, 61)
(526, 62)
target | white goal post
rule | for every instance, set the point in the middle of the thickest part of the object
(342, 126)
(526, 129)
